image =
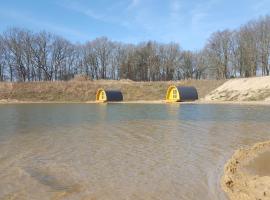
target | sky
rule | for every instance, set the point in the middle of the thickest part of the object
(187, 22)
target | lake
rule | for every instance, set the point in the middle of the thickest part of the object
(122, 151)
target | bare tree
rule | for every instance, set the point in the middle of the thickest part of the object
(43, 56)
(219, 47)
(170, 55)
(200, 65)
(2, 59)
(262, 31)
(102, 49)
(60, 51)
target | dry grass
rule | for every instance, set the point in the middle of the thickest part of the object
(85, 90)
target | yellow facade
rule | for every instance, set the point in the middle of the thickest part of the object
(172, 94)
(101, 96)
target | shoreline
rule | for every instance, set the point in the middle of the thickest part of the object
(13, 101)
(239, 183)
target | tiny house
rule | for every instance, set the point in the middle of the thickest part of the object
(108, 95)
(181, 93)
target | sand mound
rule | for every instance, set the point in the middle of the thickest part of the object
(247, 173)
(267, 99)
(243, 89)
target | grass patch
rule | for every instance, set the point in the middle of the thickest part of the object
(85, 90)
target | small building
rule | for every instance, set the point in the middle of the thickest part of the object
(181, 93)
(108, 95)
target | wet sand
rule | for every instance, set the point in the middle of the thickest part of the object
(260, 165)
(247, 173)
(14, 101)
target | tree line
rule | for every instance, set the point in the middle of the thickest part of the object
(43, 56)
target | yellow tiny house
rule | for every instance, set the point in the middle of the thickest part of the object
(180, 93)
(101, 95)
(172, 94)
(108, 95)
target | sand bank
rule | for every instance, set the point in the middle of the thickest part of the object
(242, 89)
(231, 102)
(247, 173)
(15, 101)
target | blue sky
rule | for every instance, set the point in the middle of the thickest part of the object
(187, 22)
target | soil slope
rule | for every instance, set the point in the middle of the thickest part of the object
(82, 91)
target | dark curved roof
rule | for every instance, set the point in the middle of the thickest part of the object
(187, 93)
(114, 95)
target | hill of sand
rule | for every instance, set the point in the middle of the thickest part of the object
(242, 89)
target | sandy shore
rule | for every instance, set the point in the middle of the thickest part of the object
(232, 102)
(14, 101)
(242, 89)
(247, 173)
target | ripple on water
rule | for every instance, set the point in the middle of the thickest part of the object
(121, 152)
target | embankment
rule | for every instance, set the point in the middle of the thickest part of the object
(82, 91)
(242, 90)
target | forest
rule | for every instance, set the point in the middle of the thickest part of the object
(27, 56)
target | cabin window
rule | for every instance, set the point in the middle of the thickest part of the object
(174, 94)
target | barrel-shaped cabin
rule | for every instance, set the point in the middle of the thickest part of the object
(108, 95)
(181, 93)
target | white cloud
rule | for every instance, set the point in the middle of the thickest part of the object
(200, 13)
(176, 15)
(175, 5)
(80, 8)
(133, 4)
(102, 15)
(43, 25)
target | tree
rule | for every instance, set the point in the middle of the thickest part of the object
(2, 59)
(219, 48)
(262, 29)
(43, 56)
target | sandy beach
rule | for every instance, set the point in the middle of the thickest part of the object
(14, 101)
(247, 173)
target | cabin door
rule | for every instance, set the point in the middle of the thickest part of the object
(173, 95)
(102, 96)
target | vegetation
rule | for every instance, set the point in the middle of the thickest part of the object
(81, 91)
(26, 56)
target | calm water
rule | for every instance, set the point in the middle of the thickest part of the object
(122, 151)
